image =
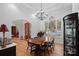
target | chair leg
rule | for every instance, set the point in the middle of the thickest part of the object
(48, 51)
(43, 54)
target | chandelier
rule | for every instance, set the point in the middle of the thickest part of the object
(41, 15)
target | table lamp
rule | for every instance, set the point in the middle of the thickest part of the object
(3, 29)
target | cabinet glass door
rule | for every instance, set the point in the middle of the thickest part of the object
(70, 35)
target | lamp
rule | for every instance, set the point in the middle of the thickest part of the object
(41, 15)
(3, 29)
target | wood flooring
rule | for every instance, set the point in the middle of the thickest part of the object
(21, 48)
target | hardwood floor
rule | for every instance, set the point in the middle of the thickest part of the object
(21, 46)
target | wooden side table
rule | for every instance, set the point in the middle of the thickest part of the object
(9, 50)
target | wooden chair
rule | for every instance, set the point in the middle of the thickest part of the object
(31, 47)
(47, 47)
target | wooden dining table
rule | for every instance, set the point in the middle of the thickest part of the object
(40, 40)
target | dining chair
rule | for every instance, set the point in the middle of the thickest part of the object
(47, 47)
(40, 34)
(51, 45)
(41, 50)
(31, 48)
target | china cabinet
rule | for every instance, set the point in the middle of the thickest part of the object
(71, 34)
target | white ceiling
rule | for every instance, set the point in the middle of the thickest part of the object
(50, 8)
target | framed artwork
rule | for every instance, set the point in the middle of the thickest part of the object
(53, 25)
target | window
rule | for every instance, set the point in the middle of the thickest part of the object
(53, 25)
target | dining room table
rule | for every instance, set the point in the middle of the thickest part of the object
(40, 41)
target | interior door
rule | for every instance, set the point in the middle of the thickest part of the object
(14, 33)
(27, 30)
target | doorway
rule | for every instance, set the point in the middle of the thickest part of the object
(27, 30)
(14, 32)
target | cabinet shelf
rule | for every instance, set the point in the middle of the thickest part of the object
(70, 27)
(70, 37)
(71, 46)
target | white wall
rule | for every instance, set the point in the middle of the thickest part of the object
(35, 28)
(20, 27)
(75, 7)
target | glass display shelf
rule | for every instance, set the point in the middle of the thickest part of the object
(71, 37)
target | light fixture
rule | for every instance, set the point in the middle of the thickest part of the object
(41, 15)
